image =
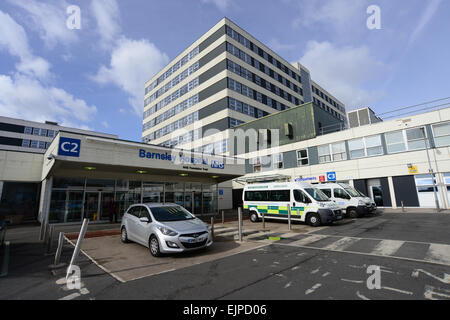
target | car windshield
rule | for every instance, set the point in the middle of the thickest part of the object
(171, 213)
(317, 194)
(352, 192)
(361, 194)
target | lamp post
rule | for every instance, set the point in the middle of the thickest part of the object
(430, 170)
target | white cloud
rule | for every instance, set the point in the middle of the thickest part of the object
(343, 71)
(107, 15)
(26, 98)
(105, 124)
(49, 20)
(276, 45)
(429, 12)
(222, 5)
(14, 39)
(132, 63)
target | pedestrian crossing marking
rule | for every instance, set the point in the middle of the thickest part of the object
(308, 240)
(438, 252)
(387, 247)
(341, 244)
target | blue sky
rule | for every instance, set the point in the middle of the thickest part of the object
(94, 77)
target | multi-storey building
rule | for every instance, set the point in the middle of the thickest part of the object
(225, 78)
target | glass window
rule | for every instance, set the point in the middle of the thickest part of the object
(416, 138)
(28, 130)
(373, 145)
(278, 161)
(300, 196)
(395, 142)
(442, 134)
(279, 196)
(44, 132)
(25, 143)
(341, 194)
(302, 157)
(324, 153)
(41, 144)
(256, 195)
(327, 192)
(356, 148)
(34, 144)
(36, 131)
(338, 150)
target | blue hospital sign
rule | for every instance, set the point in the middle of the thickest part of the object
(69, 147)
(331, 176)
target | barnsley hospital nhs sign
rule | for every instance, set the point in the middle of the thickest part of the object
(181, 159)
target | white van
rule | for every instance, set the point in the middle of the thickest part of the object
(354, 203)
(307, 203)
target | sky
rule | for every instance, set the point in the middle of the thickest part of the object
(90, 73)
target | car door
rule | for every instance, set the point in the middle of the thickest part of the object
(132, 220)
(300, 204)
(143, 228)
(341, 197)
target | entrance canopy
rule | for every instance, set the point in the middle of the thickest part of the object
(76, 155)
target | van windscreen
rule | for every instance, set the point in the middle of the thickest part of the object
(317, 194)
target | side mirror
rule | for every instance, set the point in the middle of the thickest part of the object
(144, 219)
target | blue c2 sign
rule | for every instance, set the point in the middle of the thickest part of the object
(69, 147)
(331, 176)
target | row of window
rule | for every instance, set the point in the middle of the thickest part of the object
(280, 195)
(180, 123)
(182, 139)
(35, 144)
(263, 68)
(174, 96)
(183, 75)
(217, 147)
(253, 47)
(40, 132)
(328, 109)
(244, 108)
(397, 141)
(173, 69)
(271, 162)
(255, 95)
(327, 99)
(234, 67)
(234, 122)
(186, 104)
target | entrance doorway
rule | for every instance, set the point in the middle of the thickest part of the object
(100, 206)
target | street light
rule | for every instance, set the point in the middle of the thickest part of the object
(430, 170)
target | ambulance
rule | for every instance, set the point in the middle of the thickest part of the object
(274, 200)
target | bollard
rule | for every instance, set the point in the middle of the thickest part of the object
(403, 208)
(77, 246)
(264, 221)
(289, 216)
(50, 238)
(212, 228)
(223, 217)
(240, 223)
(57, 264)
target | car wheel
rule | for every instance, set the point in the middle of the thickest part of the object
(254, 217)
(124, 235)
(314, 220)
(154, 246)
(352, 213)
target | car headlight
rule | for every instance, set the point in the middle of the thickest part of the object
(167, 232)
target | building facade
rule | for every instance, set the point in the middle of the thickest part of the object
(397, 163)
(225, 78)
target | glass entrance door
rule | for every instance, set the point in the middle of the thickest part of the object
(109, 207)
(377, 195)
(91, 206)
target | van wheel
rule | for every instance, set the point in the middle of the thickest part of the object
(254, 217)
(154, 246)
(352, 213)
(313, 220)
(124, 235)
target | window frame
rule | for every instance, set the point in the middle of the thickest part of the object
(436, 136)
(302, 158)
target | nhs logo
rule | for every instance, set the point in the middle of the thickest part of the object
(69, 147)
(217, 165)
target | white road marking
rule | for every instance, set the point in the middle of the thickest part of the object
(341, 244)
(288, 285)
(397, 290)
(429, 293)
(315, 271)
(71, 296)
(361, 296)
(84, 291)
(439, 253)
(353, 281)
(446, 279)
(326, 274)
(387, 247)
(308, 240)
(314, 288)
(295, 268)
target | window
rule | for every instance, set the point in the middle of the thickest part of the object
(416, 138)
(356, 148)
(395, 142)
(300, 196)
(324, 153)
(278, 161)
(34, 144)
(338, 150)
(302, 157)
(28, 130)
(36, 131)
(442, 134)
(41, 144)
(25, 143)
(373, 145)
(256, 196)
(327, 192)
(341, 194)
(279, 196)
(135, 211)
(43, 132)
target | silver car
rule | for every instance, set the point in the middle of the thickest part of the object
(164, 228)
